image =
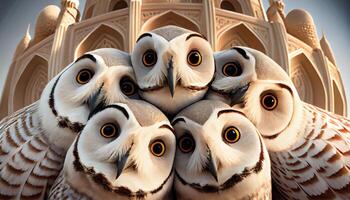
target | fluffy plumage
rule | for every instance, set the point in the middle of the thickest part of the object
(220, 154)
(173, 67)
(308, 146)
(125, 164)
(34, 140)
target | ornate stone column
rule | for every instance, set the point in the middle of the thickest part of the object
(209, 13)
(134, 22)
(69, 15)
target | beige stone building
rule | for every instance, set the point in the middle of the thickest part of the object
(61, 36)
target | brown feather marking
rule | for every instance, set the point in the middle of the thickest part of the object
(25, 128)
(34, 148)
(310, 181)
(341, 172)
(12, 169)
(301, 146)
(24, 158)
(301, 170)
(343, 190)
(334, 158)
(328, 194)
(10, 140)
(326, 149)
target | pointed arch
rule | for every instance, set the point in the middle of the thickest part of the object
(339, 107)
(102, 37)
(308, 81)
(239, 35)
(31, 83)
(169, 18)
(117, 5)
(89, 12)
(231, 5)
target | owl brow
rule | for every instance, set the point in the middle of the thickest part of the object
(99, 109)
(242, 52)
(166, 126)
(195, 35)
(285, 87)
(89, 56)
(229, 111)
(144, 35)
(180, 119)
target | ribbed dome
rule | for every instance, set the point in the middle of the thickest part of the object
(300, 24)
(46, 22)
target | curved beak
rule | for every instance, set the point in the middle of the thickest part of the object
(171, 76)
(96, 100)
(212, 166)
(237, 95)
(121, 161)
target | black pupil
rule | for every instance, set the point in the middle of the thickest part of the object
(233, 70)
(194, 57)
(157, 148)
(231, 135)
(84, 76)
(150, 57)
(127, 87)
(108, 130)
(269, 101)
(186, 144)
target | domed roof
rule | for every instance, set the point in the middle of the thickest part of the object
(300, 24)
(46, 22)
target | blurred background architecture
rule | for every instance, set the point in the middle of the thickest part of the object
(62, 35)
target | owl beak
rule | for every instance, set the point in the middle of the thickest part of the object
(121, 161)
(95, 100)
(237, 95)
(212, 166)
(171, 77)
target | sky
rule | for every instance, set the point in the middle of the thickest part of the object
(332, 17)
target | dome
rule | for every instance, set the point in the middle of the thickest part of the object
(300, 24)
(46, 22)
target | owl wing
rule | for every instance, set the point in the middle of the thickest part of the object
(318, 166)
(28, 165)
(61, 190)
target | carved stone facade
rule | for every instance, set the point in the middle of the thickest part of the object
(290, 40)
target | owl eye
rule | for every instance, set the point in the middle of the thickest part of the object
(149, 58)
(232, 69)
(84, 76)
(128, 87)
(157, 148)
(231, 134)
(269, 101)
(186, 144)
(194, 58)
(109, 130)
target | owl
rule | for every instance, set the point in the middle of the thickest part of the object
(308, 146)
(219, 155)
(34, 140)
(126, 151)
(173, 67)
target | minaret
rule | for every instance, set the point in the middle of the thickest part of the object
(327, 50)
(69, 15)
(22, 45)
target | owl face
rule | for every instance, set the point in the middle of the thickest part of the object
(215, 145)
(73, 94)
(236, 68)
(274, 108)
(129, 158)
(173, 72)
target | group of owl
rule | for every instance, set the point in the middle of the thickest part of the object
(173, 120)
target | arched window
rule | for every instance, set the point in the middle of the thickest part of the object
(117, 5)
(231, 5)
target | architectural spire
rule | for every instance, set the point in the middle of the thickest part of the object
(23, 44)
(326, 48)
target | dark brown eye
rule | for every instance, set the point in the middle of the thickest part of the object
(128, 87)
(84, 76)
(269, 101)
(186, 144)
(232, 69)
(194, 58)
(109, 130)
(231, 135)
(149, 58)
(157, 148)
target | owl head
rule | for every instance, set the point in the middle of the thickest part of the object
(68, 98)
(252, 82)
(124, 150)
(219, 151)
(173, 67)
